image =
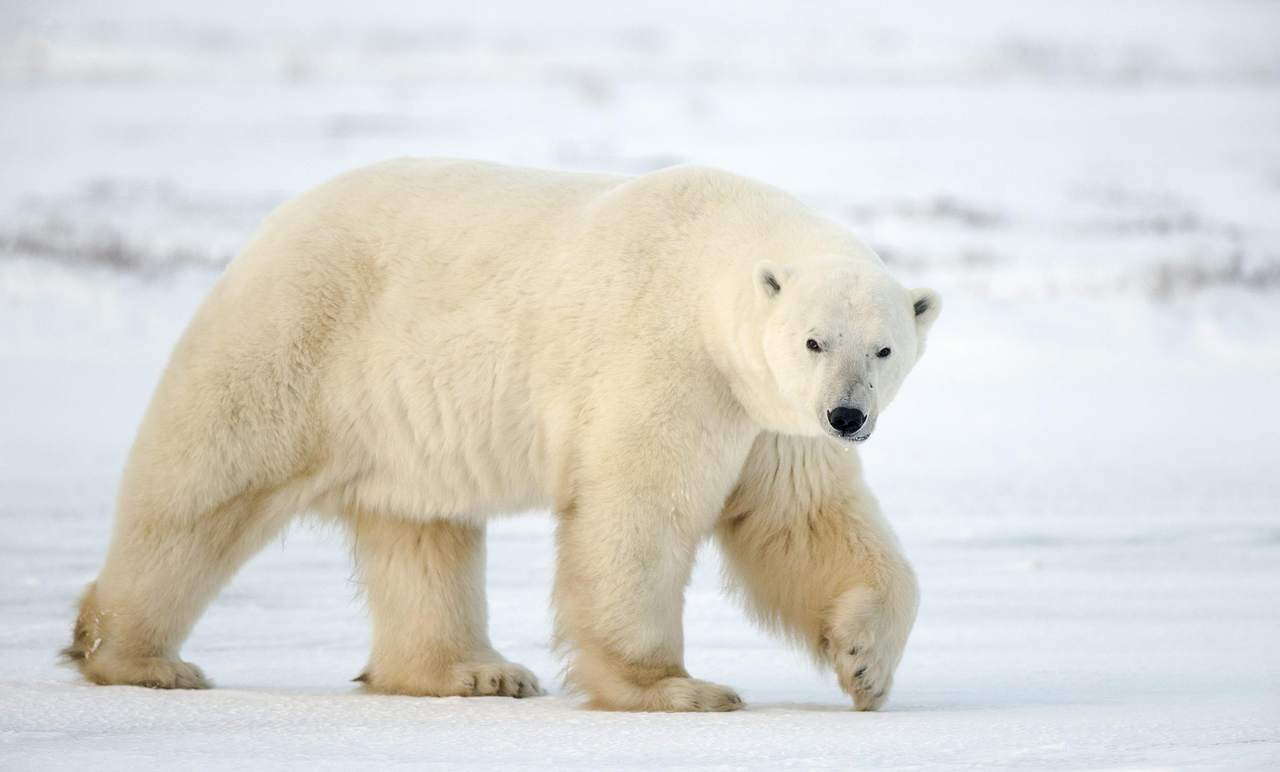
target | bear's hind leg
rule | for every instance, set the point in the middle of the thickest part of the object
(161, 572)
(425, 585)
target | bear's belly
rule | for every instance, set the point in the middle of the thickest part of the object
(431, 447)
(445, 491)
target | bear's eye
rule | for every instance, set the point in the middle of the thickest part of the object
(812, 345)
(884, 352)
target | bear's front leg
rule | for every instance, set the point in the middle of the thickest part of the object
(647, 489)
(865, 632)
(806, 546)
(620, 578)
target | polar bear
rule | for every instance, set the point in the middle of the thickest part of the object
(420, 345)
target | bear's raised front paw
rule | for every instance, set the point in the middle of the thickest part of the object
(866, 675)
(865, 638)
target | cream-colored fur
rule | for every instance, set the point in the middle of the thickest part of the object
(420, 345)
(805, 544)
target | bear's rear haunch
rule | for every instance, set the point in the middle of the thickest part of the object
(416, 346)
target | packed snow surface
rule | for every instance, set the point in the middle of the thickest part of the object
(1083, 468)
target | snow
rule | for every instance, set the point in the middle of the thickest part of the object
(1082, 469)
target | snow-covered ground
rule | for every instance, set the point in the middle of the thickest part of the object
(1083, 468)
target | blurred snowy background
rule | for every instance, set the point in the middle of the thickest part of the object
(1083, 468)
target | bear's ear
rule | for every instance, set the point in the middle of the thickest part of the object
(770, 277)
(926, 304)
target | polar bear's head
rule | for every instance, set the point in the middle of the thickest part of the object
(838, 337)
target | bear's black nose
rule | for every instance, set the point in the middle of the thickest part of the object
(846, 420)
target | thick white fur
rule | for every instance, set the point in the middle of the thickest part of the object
(420, 345)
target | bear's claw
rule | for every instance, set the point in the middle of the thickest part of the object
(465, 679)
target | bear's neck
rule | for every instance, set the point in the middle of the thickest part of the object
(737, 350)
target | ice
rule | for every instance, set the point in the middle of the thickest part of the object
(1083, 468)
